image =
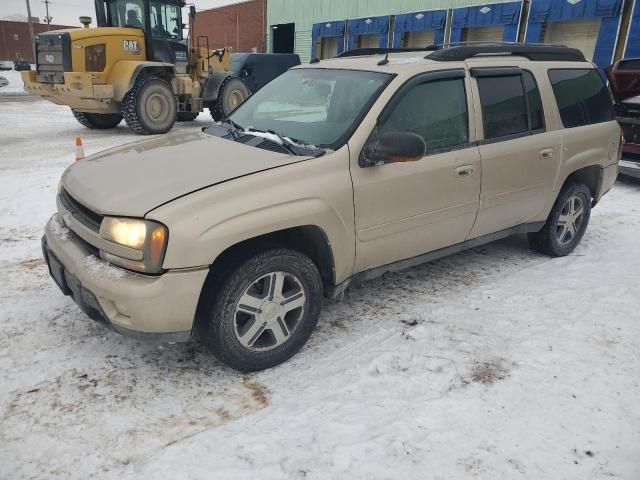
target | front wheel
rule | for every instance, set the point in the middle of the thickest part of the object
(566, 224)
(231, 95)
(263, 310)
(150, 107)
(97, 121)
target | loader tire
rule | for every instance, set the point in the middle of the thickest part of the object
(97, 121)
(231, 95)
(150, 107)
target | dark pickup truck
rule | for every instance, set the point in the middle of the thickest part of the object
(624, 80)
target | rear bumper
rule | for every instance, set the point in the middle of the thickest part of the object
(161, 308)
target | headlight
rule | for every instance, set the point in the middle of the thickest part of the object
(146, 236)
(95, 58)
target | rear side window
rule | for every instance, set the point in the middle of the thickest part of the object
(504, 109)
(510, 105)
(582, 97)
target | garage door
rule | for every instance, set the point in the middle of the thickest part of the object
(368, 41)
(483, 34)
(329, 47)
(581, 34)
(420, 39)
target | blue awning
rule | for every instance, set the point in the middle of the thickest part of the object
(507, 14)
(420, 21)
(369, 26)
(543, 11)
(327, 29)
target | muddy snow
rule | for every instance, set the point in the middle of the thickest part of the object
(494, 363)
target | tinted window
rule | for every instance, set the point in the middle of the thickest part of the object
(504, 108)
(437, 111)
(582, 96)
(534, 102)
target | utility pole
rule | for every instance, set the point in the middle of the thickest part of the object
(33, 39)
(48, 18)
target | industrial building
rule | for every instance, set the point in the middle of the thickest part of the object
(15, 40)
(240, 26)
(603, 29)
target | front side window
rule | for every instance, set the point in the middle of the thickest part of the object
(165, 20)
(314, 106)
(127, 13)
(436, 110)
(582, 97)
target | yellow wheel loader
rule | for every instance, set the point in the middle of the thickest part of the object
(135, 65)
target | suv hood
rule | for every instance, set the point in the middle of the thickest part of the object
(624, 79)
(135, 178)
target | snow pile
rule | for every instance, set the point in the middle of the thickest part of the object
(14, 83)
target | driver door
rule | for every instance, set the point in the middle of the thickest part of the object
(406, 209)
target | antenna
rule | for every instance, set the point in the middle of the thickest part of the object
(385, 60)
(48, 18)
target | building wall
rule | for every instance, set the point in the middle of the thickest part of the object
(240, 26)
(304, 13)
(14, 38)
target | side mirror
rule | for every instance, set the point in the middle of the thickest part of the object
(393, 147)
(192, 11)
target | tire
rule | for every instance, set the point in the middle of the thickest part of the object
(97, 121)
(232, 93)
(186, 116)
(558, 237)
(150, 107)
(243, 328)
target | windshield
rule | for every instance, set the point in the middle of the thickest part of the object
(313, 106)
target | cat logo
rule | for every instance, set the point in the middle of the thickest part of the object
(49, 58)
(132, 46)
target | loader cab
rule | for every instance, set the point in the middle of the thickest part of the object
(161, 21)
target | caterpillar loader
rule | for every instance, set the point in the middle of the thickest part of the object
(134, 65)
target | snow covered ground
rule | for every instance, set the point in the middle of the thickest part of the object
(13, 83)
(494, 363)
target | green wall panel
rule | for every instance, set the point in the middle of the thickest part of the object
(304, 13)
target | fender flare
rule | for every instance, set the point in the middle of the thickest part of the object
(125, 73)
(214, 84)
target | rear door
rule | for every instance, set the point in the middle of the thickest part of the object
(520, 158)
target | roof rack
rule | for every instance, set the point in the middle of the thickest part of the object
(361, 52)
(532, 51)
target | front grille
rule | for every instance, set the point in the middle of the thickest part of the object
(81, 213)
(53, 52)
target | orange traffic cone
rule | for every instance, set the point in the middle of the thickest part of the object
(79, 149)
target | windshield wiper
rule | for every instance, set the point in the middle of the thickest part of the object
(292, 146)
(234, 129)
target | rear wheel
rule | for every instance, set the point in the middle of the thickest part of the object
(566, 224)
(150, 107)
(98, 121)
(231, 95)
(263, 310)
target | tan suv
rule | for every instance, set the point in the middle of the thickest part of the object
(335, 172)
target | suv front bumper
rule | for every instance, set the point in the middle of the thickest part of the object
(159, 307)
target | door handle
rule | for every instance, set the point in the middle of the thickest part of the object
(546, 153)
(464, 171)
